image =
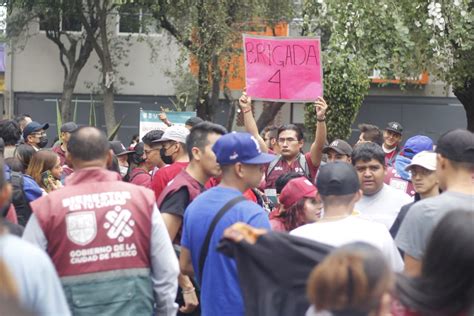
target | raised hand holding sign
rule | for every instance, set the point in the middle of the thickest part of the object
(321, 107)
(245, 102)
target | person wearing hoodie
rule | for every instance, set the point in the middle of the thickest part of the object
(397, 176)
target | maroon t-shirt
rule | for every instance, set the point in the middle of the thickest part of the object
(61, 153)
(140, 177)
(282, 167)
(390, 158)
(392, 178)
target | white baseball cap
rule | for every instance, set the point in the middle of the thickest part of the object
(425, 159)
(177, 133)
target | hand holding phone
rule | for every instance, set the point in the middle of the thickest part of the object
(47, 179)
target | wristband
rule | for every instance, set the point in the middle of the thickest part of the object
(321, 120)
(247, 110)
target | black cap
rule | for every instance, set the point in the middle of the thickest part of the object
(340, 146)
(33, 127)
(119, 149)
(138, 154)
(394, 127)
(193, 121)
(68, 127)
(457, 145)
(337, 178)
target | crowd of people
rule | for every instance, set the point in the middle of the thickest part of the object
(95, 227)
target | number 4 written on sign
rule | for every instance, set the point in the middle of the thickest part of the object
(276, 78)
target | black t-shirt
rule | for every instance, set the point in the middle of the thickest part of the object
(175, 203)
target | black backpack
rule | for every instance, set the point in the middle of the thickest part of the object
(19, 200)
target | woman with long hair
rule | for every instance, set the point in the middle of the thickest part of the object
(354, 280)
(298, 205)
(24, 153)
(446, 284)
(45, 168)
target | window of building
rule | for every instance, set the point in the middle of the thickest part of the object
(61, 22)
(134, 19)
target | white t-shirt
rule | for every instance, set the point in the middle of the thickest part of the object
(388, 151)
(353, 229)
(384, 206)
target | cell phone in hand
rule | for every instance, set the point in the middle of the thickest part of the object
(46, 176)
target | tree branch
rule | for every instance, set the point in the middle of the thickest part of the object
(167, 25)
(91, 27)
(55, 37)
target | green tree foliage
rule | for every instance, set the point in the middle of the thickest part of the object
(345, 86)
(58, 19)
(401, 38)
(76, 28)
(209, 30)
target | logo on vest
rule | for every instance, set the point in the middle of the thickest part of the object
(81, 227)
(119, 224)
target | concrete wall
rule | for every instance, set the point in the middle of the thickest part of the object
(37, 68)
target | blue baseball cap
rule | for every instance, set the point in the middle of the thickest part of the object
(417, 144)
(240, 147)
(33, 127)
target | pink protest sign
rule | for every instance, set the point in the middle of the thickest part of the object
(283, 68)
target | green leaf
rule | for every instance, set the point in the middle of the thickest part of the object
(116, 129)
(92, 114)
(74, 117)
(58, 117)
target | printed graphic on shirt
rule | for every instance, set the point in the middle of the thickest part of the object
(399, 184)
(103, 253)
(119, 224)
(81, 227)
(96, 200)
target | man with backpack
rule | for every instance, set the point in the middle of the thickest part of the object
(291, 158)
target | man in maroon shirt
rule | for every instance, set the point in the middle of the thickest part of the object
(392, 136)
(289, 143)
(61, 149)
(291, 158)
(173, 152)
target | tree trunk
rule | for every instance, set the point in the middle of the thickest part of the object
(216, 87)
(231, 104)
(108, 75)
(465, 95)
(270, 110)
(67, 112)
(202, 102)
(109, 109)
(66, 102)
